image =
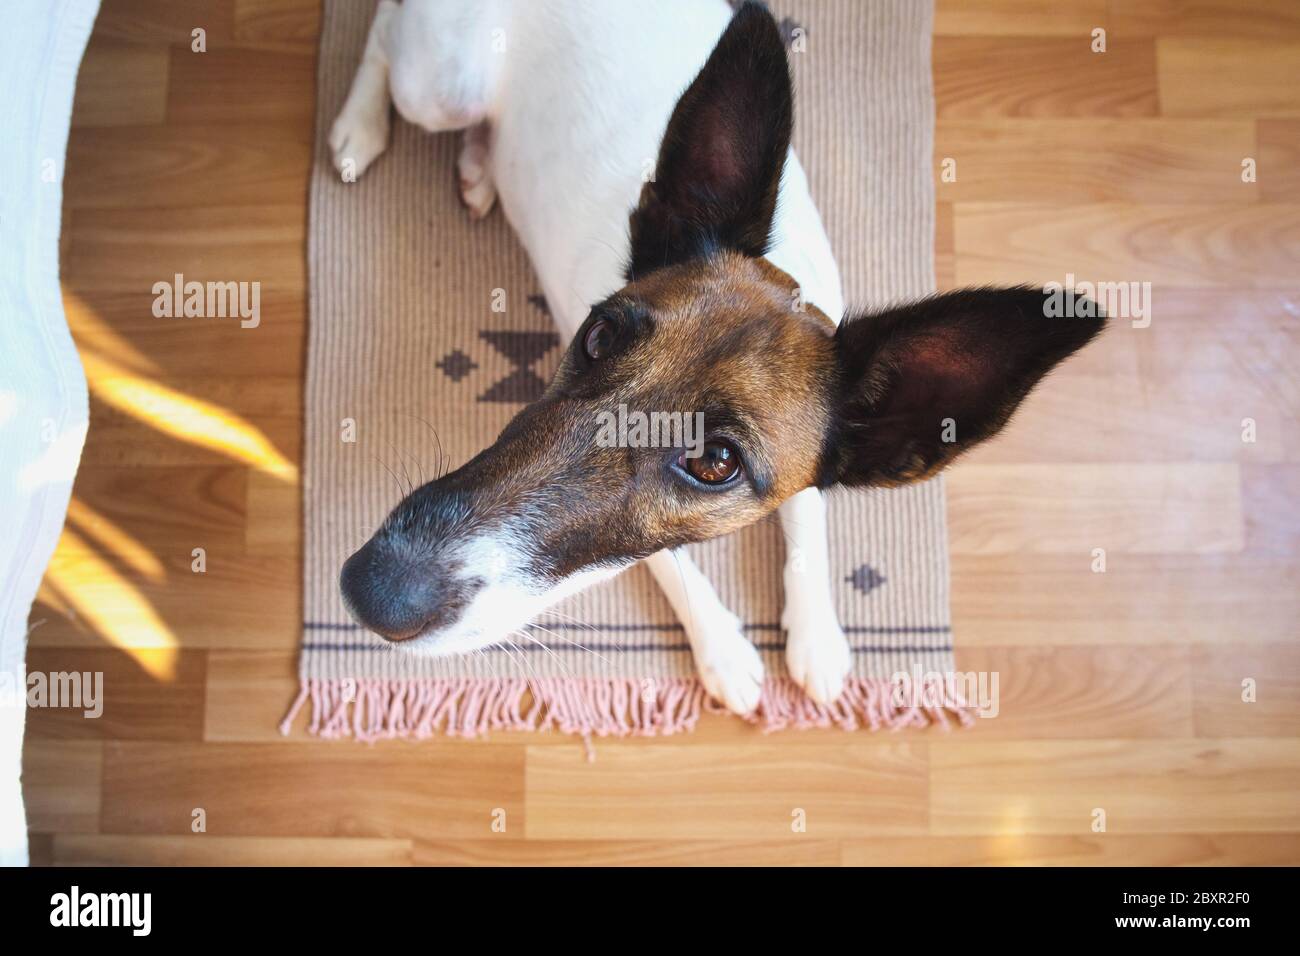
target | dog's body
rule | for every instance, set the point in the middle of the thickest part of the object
(549, 80)
(565, 106)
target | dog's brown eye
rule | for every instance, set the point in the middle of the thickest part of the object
(599, 340)
(718, 463)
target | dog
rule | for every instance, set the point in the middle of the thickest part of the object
(641, 151)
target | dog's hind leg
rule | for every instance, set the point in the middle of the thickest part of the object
(816, 651)
(728, 664)
(477, 190)
(360, 133)
(435, 61)
(444, 60)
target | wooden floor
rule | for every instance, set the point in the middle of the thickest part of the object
(1120, 691)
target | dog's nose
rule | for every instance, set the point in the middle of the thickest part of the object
(390, 597)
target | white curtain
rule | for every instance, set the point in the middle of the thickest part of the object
(42, 387)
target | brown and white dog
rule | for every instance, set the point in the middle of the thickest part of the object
(706, 287)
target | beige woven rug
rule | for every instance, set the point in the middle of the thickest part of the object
(403, 337)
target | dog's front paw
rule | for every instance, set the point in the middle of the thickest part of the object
(729, 666)
(357, 138)
(817, 655)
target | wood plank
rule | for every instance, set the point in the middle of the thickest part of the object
(205, 849)
(124, 502)
(128, 250)
(40, 849)
(436, 791)
(1226, 77)
(1057, 600)
(121, 327)
(1100, 691)
(241, 600)
(121, 84)
(1279, 159)
(945, 266)
(1247, 246)
(167, 21)
(133, 703)
(274, 522)
(988, 77)
(1237, 785)
(801, 852)
(1046, 160)
(134, 167)
(248, 694)
(235, 85)
(1061, 509)
(661, 791)
(1272, 525)
(1094, 849)
(1266, 19)
(210, 397)
(150, 423)
(277, 24)
(160, 450)
(1019, 18)
(1114, 418)
(98, 599)
(1218, 675)
(61, 784)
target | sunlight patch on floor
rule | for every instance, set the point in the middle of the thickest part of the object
(184, 417)
(99, 595)
(114, 540)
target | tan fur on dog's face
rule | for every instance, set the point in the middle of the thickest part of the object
(734, 330)
(740, 330)
(720, 336)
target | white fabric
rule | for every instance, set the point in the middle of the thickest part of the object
(43, 410)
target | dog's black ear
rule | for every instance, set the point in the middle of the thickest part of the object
(719, 168)
(920, 384)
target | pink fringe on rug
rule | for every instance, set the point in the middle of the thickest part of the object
(372, 710)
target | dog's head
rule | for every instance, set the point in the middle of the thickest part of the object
(702, 394)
